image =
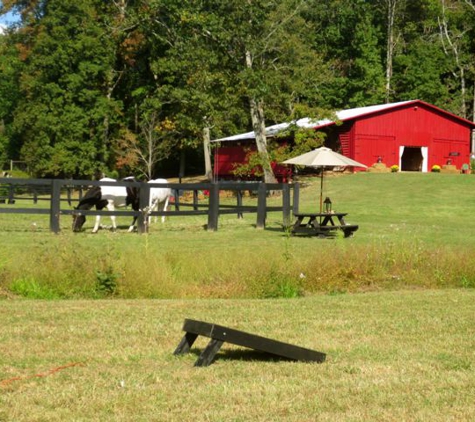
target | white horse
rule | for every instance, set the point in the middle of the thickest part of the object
(108, 197)
(159, 198)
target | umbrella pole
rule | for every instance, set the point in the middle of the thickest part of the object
(321, 190)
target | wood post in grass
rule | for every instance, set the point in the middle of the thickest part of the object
(144, 203)
(261, 206)
(55, 206)
(213, 211)
(286, 209)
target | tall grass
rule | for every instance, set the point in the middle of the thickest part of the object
(415, 232)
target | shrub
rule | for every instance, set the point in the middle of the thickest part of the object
(435, 168)
(394, 168)
(106, 282)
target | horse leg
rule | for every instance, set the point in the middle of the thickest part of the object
(153, 206)
(111, 208)
(96, 226)
(156, 208)
(165, 208)
(132, 226)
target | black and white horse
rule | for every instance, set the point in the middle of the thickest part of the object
(109, 197)
(159, 198)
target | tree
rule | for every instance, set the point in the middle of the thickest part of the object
(10, 69)
(394, 10)
(453, 40)
(366, 84)
(267, 47)
(64, 86)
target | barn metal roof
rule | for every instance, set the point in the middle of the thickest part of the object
(342, 115)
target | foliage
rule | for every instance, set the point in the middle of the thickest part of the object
(64, 105)
(10, 70)
(435, 168)
(106, 282)
(29, 288)
(394, 168)
(81, 82)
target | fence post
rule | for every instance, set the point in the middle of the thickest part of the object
(55, 206)
(195, 200)
(213, 208)
(286, 204)
(11, 194)
(144, 203)
(296, 199)
(176, 197)
(239, 203)
(261, 206)
(70, 188)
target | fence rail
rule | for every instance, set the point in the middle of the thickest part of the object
(60, 192)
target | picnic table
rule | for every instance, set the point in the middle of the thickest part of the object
(322, 224)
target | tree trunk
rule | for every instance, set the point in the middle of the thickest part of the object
(390, 47)
(445, 34)
(207, 154)
(181, 170)
(258, 124)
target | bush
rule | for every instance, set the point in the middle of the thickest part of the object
(106, 282)
(394, 168)
(435, 168)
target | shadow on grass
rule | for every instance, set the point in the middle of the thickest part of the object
(247, 355)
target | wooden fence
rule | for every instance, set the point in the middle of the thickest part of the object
(60, 195)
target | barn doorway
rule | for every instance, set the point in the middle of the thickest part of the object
(413, 159)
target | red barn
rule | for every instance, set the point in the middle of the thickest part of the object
(411, 134)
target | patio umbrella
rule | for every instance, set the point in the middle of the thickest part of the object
(321, 158)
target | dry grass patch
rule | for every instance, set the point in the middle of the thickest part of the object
(391, 356)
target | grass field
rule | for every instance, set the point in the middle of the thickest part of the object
(391, 356)
(400, 347)
(416, 230)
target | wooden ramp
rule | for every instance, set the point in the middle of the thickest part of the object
(219, 335)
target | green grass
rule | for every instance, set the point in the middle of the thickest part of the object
(415, 232)
(391, 356)
(400, 349)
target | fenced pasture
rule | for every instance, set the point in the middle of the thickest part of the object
(416, 231)
(56, 193)
(391, 356)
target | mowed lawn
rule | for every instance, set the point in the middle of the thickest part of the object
(391, 356)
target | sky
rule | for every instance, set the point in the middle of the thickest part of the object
(7, 19)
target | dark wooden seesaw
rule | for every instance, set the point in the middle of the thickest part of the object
(219, 335)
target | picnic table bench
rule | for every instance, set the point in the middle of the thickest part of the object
(322, 224)
(219, 334)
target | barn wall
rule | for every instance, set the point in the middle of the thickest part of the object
(384, 134)
(227, 157)
(435, 135)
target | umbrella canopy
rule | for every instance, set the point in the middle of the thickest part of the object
(323, 157)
